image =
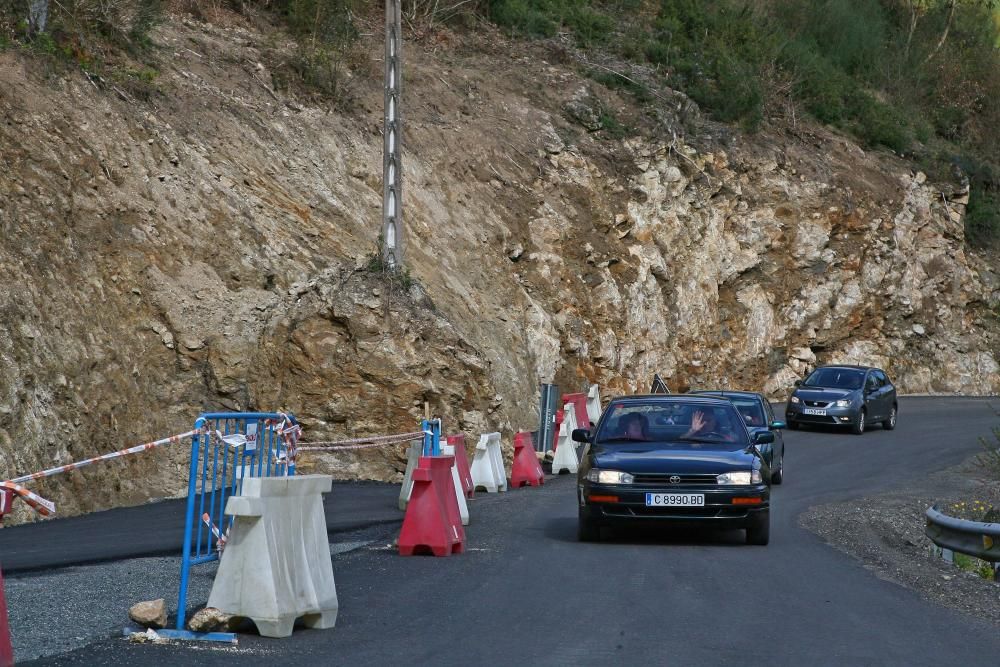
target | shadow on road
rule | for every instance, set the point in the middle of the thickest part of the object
(563, 529)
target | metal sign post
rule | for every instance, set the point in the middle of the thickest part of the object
(392, 166)
(547, 406)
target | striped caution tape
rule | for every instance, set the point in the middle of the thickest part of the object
(48, 508)
(360, 443)
(35, 501)
(220, 539)
(107, 457)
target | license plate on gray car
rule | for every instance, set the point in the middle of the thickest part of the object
(814, 411)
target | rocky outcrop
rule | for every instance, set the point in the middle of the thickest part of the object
(211, 248)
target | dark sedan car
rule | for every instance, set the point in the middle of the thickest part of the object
(673, 460)
(854, 396)
(758, 416)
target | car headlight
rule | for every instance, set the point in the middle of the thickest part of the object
(598, 476)
(743, 477)
(843, 403)
(794, 400)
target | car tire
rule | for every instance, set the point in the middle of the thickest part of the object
(858, 428)
(794, 425)
(759, 529)
(588, 531)
(890, 423)
(779, 476)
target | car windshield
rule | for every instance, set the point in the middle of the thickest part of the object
(699, 424)
(750, 410)
(839, 378)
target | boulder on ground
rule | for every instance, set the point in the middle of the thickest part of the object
(149, 614)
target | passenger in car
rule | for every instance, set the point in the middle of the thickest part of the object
(635, 426)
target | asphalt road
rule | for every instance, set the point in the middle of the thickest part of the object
(528, 592)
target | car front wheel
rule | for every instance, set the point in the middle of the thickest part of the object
(759, 529)
(890, 423)
(779, 474)
(794, 425)
(859, 426)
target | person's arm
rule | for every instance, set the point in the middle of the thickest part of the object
(697, 422)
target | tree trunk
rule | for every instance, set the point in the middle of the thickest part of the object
(38, 15)
(944, 35)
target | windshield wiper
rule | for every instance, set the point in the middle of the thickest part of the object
(697, 439)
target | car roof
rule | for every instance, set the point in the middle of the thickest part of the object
(851, 366)
(684, 398)
(727, 393)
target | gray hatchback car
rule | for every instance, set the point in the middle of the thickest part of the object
(854, 396)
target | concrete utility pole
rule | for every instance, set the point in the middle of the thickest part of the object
(392, 166)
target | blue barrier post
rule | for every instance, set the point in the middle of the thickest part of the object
(432, 437)
(257, 454)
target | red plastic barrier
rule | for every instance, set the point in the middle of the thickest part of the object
(462, 463)
(6, 500)
(579, 402)
(6, 650)
(432, 522)
(525, 470)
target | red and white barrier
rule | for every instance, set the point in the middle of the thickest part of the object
(565, 455)
(579, 403)
(6, 650)
(487, 465)
(6, 501)
(432, 522)
(456, 447)
(594, 403)
(525, 469)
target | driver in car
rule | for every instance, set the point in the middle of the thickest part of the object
(705, 425)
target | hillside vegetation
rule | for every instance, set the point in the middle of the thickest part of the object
(920, 77)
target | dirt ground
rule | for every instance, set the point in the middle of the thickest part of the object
(886, 533)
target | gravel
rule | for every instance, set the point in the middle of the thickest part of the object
(886, 533)
(54, 612)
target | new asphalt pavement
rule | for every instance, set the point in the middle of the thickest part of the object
(527, 592)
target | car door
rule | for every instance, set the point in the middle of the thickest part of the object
(886, 393)
(873, 406)
(779, 442)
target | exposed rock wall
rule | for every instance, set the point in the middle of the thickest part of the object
(209, 248)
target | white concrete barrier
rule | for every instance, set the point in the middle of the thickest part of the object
(565, 456)
(593, 403)
(412, 456)
(276, 565)
(487, 464)
(463, 506)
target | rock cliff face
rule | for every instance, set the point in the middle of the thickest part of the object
(209, 248)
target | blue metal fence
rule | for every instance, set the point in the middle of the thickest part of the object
(217, 471)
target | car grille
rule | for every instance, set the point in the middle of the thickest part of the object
(817, 419)
(663, 479)
(817, 404)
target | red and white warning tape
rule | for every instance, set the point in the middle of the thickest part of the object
(360, 443)
(47, 507)
(37, 503)
(220, 539)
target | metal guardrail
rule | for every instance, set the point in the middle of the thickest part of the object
(972, 538)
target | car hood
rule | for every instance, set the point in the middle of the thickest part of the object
(670, 457)
(822, 393)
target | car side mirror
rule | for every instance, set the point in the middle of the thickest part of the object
(763, 438)
(581, 435)
(778, 425)
(798, 383)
